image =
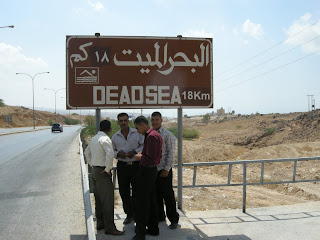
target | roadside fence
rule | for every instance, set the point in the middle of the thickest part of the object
(245, 181)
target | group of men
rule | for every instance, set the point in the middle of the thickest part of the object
(145, 158)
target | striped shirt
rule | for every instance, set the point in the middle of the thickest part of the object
(168, 149)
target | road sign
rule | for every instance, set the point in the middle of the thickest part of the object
(8, 118)
(138, 72)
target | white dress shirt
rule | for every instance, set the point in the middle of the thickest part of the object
(134, 142)
(168, 149)
(99, 152)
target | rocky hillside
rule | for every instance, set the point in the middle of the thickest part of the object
(23, 117)
(263, 130)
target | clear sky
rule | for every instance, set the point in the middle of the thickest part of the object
(266, 53)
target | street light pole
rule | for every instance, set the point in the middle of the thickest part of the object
(11, 26)
(69, 109)
(32, 78)
(55, 97)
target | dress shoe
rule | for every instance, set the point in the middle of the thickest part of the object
(152, 232)
(100, 226)
(137, 238)
(115, 232)
(128, 220)
(173, 225)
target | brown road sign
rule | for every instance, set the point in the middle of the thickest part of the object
(139, 72)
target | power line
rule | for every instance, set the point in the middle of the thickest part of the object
(268, 49)
(267, 60)
(269, 71)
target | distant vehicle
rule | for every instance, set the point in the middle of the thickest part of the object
(56, 127)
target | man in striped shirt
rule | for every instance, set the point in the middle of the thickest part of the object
(164, 189)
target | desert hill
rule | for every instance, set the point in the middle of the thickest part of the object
(244, 134)
(23, 117)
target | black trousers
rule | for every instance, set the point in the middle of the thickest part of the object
(127, 181)
(165, 193)
(146, 205)
(104, 198)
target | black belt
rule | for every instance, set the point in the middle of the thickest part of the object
(129, 163)
(100, 166)
(149, 166)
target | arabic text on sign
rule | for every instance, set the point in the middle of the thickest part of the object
(173, 61)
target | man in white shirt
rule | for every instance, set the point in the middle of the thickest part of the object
(126, 143)
(99, 155)
(164, 179)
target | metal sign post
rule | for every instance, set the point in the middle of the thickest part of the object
(98, 119)
(180, 158)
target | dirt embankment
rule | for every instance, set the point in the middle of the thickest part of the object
(23, 117)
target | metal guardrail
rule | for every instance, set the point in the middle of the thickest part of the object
(244, 182)
(86, 196)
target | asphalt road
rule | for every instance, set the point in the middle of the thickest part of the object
(40, 186)
(14, 144)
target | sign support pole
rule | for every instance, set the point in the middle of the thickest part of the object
(98, 118)
(180, 158)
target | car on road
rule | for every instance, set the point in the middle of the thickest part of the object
(56, 127)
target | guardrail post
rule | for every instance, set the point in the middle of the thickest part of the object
(294, 171)
(244, 192)
(194, 175)
(262, 172)
(229, 174)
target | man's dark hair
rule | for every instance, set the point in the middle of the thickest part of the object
(105, 126)
(122, 114)
(141, 119)
(156, 114)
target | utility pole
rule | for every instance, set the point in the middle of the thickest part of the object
(309, 102)
(313, 103)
